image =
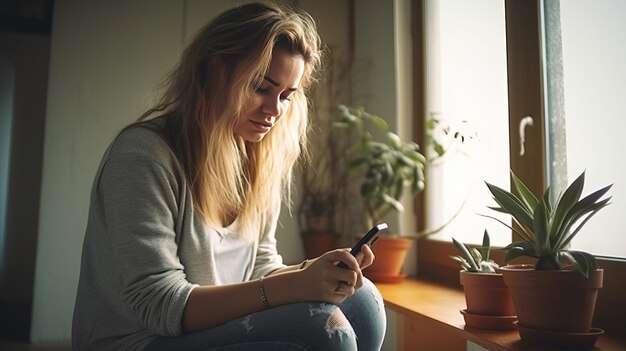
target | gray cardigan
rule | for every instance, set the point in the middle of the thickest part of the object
(145, 249)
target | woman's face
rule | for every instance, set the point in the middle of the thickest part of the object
(270, 100)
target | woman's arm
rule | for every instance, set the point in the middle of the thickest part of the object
(321, 281)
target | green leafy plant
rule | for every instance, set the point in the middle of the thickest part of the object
(389, 165)
(472, 259)
(545, 228)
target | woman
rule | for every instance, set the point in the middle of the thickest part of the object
(179, 251)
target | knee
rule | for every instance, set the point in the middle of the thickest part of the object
(367, 311)
(334, 331)
(369, 291)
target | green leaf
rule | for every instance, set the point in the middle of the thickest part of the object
(418, 181)
(394, 140)
(462, 262)
(591, 259)
(546, 201)
(540, 226)
(477, 256)
(372, 145)
(512, 253)
(438, 148)
(393, 202)
(485, 249)
(565, 204)
(528, 198)
(512, 205)
(466, 254)
(593, 208)
(431, 124)
(519, 248)
(403, 160)
(415, 156)
(376, 121)
(587, 205)
(582, 261)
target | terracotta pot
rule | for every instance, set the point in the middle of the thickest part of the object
(486, 294)
(317, 243)
(390, 254)
(562, 301)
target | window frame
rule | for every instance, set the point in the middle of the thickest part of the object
(526, 97)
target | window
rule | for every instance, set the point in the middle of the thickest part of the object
(579, 123)
(467, 81)
(593, 109)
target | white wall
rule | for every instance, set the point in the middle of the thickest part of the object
(105, 56)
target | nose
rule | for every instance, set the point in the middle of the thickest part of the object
(271, 106)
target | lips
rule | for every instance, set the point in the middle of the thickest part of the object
(263, 126)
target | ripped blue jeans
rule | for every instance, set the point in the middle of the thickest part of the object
(359, 323)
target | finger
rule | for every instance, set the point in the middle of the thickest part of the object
(349, 261)
(336, 255)
(344, 289)
(368, 257)
(359, 280)
(348, 277)
(359, 257)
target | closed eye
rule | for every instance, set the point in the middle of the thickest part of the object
(264, 91)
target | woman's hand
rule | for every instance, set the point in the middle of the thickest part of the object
(323, 281)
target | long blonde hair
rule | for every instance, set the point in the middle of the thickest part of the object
(204, 98)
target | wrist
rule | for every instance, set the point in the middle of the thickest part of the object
(281, 289)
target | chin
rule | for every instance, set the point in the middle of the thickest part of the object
(254, 138)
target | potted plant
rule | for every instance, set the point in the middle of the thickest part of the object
(556, 298)
(489, 303)
(388, 167)
(317, 210)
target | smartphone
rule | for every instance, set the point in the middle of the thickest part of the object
(369, 239)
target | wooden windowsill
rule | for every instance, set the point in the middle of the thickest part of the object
(433, 303)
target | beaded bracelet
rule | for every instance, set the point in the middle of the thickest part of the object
(262, 293)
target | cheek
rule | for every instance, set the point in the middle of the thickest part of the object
(253, 102)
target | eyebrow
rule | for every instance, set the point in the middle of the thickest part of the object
(276, 84)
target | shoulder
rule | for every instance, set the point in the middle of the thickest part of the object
(144, 140)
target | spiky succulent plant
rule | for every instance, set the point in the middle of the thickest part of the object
(472, 259)
(546, 229)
